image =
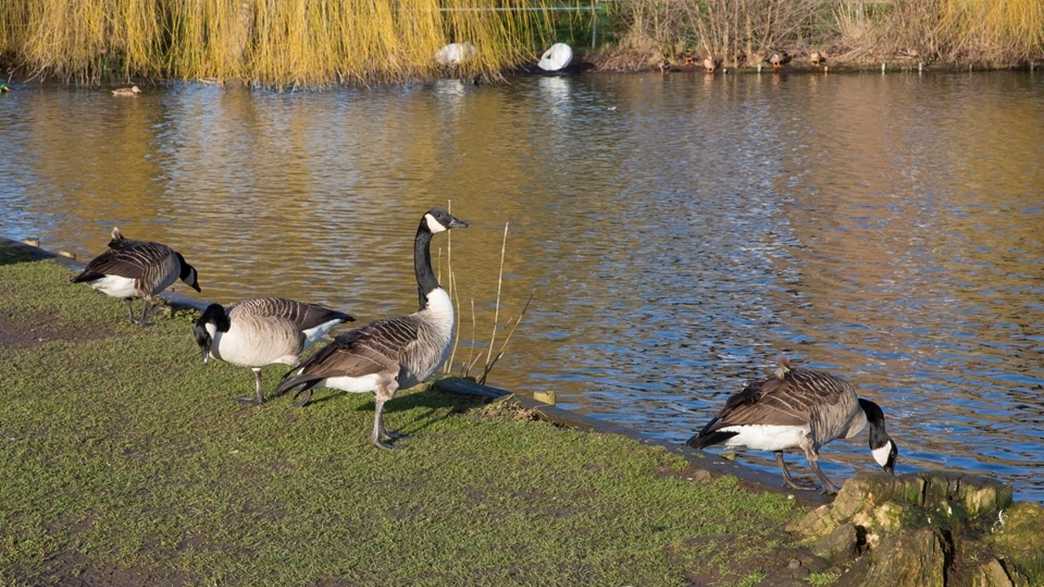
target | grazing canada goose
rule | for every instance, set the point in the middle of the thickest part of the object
(131, 91)
(136, 269)
(396, 353)
(798, 408)
(263, 331)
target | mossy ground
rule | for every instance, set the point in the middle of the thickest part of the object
(126, 460)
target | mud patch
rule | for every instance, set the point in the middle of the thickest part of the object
(20, 332)
(71, 569)
(783, 566)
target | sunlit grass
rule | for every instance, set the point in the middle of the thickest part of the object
(123, 451)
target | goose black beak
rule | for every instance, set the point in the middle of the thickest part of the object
(457, 223)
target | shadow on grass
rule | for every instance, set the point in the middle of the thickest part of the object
(12, 252)
(438, 406)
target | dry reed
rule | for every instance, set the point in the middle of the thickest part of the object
(490, 357)
(282, 42)
(737, 32)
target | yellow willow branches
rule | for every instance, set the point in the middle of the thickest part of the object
(278, 42)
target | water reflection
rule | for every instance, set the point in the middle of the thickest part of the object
(678, 231)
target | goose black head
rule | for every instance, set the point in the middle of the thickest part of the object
(882, 447)
(213, 320)
(438, 220)
(188, 274)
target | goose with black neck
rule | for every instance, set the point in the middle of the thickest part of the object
(391, 354)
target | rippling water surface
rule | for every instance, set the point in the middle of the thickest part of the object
(677, 233)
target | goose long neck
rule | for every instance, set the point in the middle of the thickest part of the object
(876, 422)
(422, 264)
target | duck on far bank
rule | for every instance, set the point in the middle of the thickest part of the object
(131, 91)
(816, 58)
(136, 269)
(779, 59)
(455, 54)
(4, 88)
(263, 331)
(798, 408)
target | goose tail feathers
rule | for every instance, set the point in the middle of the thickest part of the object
(709, 437)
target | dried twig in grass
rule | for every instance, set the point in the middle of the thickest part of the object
(500, 283)
(471, 355)
(507, 339)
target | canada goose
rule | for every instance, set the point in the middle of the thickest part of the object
(391, 354)
(798, 408)
(816, 58)
(709, 65)
(131, 91)
(136, 269)
(258, 332)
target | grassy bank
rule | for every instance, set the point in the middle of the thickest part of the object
(126, 461)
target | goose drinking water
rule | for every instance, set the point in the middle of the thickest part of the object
(264, 331)
(396, 353)
(798, 408)
(136, 269)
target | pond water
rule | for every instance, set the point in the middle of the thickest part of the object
(677, 233)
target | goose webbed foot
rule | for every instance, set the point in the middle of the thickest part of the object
(392, 435)
(786, 475)
(146, 314)
(383, 444)
(130, 310)
(306, 397)
(828, 487)
(258, 399)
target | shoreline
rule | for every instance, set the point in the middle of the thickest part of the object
(585, 64)
(750, 477)
(130, 463)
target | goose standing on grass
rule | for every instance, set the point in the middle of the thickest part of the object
(137, 269)
(264, 331)
(396, 353)
(798, 408)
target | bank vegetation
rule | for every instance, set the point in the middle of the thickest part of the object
(737, 33)
(315, 42)
(273, 42)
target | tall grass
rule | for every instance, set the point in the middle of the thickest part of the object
(492, 355)
(738, 32)
(267, 41)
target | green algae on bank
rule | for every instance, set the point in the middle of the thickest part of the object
(127, 461)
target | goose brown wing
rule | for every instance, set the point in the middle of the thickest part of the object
(125, 258)
(373, 348)
(788, 401)
(302, 315)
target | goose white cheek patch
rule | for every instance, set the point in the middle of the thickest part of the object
(881, 454)
(433, 225)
